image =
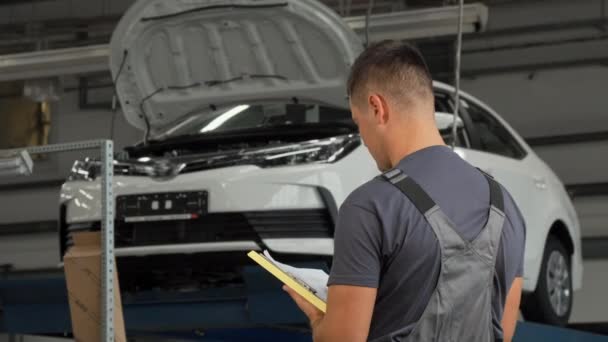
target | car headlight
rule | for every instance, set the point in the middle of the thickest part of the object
(326, 150)
(314, 151)
(90, 169)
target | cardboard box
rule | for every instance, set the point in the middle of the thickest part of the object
(82, 264)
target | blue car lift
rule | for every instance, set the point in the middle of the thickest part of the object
(256, 312)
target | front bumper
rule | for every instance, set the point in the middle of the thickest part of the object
(283, 209)
(304, 231)
(233, 189)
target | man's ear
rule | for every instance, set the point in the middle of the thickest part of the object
(379, 107)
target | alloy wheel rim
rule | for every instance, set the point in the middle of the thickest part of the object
(558, 283)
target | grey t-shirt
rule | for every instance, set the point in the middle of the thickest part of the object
(382, 241)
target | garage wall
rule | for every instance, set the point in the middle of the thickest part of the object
(578, 163)
(35, 198)
(61, 9)
(29, 205)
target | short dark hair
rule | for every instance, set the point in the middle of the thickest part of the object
(397, 68)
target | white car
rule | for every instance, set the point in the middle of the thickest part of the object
(250, 145)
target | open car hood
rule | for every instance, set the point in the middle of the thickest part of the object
(170, 58)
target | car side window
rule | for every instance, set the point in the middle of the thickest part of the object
(462, 139)
(444, 118)
(493, 136)
(443, 103)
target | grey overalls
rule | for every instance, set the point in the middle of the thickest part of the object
(460, 308)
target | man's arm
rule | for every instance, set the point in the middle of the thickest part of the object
(348, 317)
(353, 280)
(509, 317)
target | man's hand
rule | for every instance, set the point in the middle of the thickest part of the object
(348, 317)
(314, 315)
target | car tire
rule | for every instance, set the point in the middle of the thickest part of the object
(551, 302)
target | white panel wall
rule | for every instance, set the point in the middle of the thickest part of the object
(590, 303)
(30, 252)
(69, 123)
(593, 214)
(534, 12)
(578, 163)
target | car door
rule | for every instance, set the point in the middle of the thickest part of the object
(496, 151)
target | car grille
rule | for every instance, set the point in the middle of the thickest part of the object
(216, 227)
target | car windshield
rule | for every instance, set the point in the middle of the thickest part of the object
(252, 116)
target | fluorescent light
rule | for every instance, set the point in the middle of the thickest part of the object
(55, 62)
(422, 23)
(220, 120)
(144, 159)
(16, 164)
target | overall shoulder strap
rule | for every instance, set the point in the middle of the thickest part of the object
(488, 241)
(411, 189)
(496, 196)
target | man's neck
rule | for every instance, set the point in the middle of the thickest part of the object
(414, 139)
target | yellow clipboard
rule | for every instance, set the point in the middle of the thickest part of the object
(288, 280)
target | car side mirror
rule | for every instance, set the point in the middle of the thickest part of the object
(444, 121)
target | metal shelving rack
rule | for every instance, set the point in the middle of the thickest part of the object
(106, 148)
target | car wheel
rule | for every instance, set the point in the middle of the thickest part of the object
(551, 302)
